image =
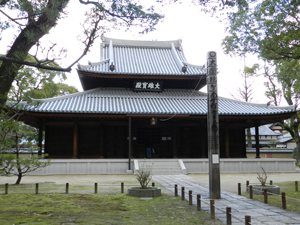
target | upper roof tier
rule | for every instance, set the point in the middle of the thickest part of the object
(145, 59)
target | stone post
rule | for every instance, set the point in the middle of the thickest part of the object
(213, 126)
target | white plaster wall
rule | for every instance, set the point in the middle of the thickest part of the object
(242, 165)
(85, 166)
(291, 145)
(120, 166)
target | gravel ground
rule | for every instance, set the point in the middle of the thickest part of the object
(229, 182)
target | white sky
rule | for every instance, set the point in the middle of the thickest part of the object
(199, 33)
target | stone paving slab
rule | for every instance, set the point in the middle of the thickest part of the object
(240, 206)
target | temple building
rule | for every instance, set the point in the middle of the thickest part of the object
(144, 94)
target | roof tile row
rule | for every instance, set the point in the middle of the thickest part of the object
(124, 101)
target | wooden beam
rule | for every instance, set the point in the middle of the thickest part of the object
(59, 123)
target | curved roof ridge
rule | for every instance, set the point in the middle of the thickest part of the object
(193, 65)
(90, 64)
(141, 43)
(66, 96)
(112, 48)
(180, 101)
(259, 104)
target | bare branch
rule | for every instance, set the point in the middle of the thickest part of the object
(12, 19)
(90, 40)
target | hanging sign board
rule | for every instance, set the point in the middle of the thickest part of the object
(148, 85)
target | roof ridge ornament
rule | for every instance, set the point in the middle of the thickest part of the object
(180, 44)
(112, 67)
(111, 56)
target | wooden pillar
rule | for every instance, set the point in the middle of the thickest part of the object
(101, 147)
(45, 143)
(129, 143)
(174, 141)
(257, 141)
(40, 138)
(203, 143)
(75, 140)
(227, 155)
(213, 126)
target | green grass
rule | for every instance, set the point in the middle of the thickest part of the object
(292, 197)
(88, 208)
(61, 188)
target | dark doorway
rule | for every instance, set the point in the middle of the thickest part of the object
(146, 135)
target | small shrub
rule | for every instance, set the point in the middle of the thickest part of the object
(144, 175)
(262, 177)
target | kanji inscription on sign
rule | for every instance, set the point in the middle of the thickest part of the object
(144, 85)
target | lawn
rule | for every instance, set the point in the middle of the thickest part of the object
(82, 206)
(292, 197)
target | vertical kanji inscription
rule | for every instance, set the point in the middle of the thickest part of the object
(213, 126)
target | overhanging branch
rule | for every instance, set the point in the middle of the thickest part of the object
(37, 65)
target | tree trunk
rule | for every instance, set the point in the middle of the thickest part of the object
(297, 140)
(27, 38)
(20, 175)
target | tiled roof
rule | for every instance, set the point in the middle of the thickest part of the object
(125, 101)
(142, 58)
(264, 130)
(271, 150)
(285, 138)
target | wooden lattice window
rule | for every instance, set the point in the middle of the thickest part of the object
(149, 134)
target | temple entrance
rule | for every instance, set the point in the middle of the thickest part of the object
(148, 137)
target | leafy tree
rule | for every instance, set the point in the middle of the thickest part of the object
(51, 90)
(7, 140)
(34, 19)
(12, 131)
(269, 28)
(245, 93)
(272, 84)
(10, 161)
(283, 81)
(30, 83)
(287, 75)
(20, 167)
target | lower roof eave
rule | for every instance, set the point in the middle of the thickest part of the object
(159, 115)
(241, 120)
(221, 116)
